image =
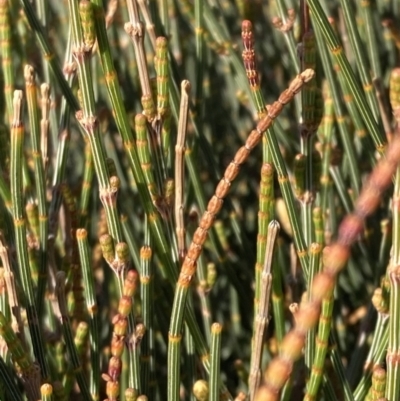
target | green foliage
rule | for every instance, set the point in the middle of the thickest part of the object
(150, 249)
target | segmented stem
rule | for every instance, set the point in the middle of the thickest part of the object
(92, 308)
(120, 322)
(17, 140)
(68, 336)
(189, 264)
(335, 259)
(28, 372)
(215, 204)
(249, 61)
(262, 319)
(179, 168)
(5, 52)
(40, 179)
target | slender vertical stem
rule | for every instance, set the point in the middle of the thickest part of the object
(335, 259)
(147, 293)
(49, 54)
(262, 318)
(179, 168)
(393, 271)
(9, 382)
(68, 336)
(361, 58)
(336, 49)
(91, 304)
(215, 362)
(5, 52)
(311, 343)
(189, 264)
(40, 180)
(17, 140)
(21, 357)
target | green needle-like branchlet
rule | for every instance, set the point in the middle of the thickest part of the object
(371, 35)
(81, 50)
(131, 150)
(336, 49)
(335, 259)
(189, 264)
(264, 217)
(262, 317)
(340, 116)
(49, 54)
(162, 70)
(274, 151)
(142, 145)
(377, 390)
(285, 23)
(46, 392)
(180, 168)
(114, 202)
(321, 342)
(393, 270)
(311, 117)
(68, 336)
(148, 344)
(27, 370)
(361, 56)
(9, 383)
(40, 179)
(315, 261)
(17, 140)
(215, 362)
(86, 185)
(91, 304)
(6, 59)
(161, 65)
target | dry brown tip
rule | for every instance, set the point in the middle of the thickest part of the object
(395, 74)
(125, 305)
(112, 390)
(315, 248)
(81, 234)
(267, 169)
(161, 41)
(379, 373)
(114, 368)
(247, 25)
(307, 75)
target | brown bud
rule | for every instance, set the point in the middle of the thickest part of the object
(114, 368)
(125, 305)
(112, 390)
